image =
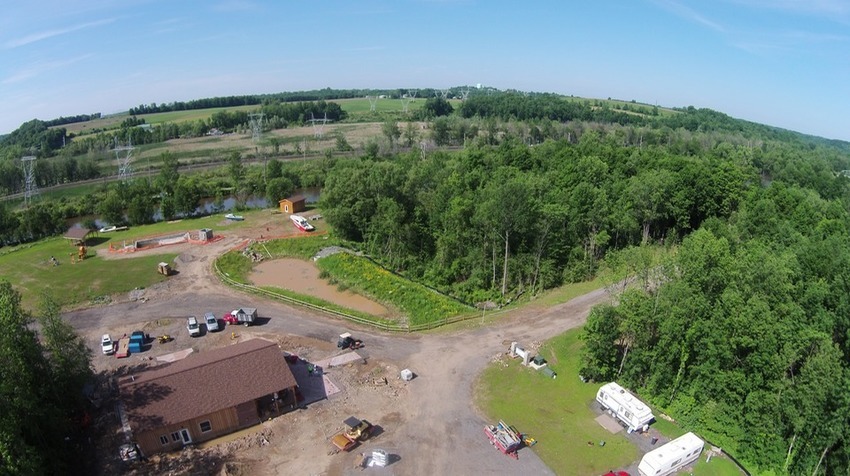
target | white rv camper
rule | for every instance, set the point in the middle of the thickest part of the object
(671, 457)
(635, 414)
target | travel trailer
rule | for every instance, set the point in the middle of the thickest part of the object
(624, 406)
(671, 457)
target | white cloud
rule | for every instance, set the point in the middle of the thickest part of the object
(43, 35)
(811, 7)
(689, 14)
(36, 69)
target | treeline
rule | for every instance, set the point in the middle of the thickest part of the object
(48, 172)
(72, 119)
(548, 106)
(249, 100)
(206, 103)
(33, 138)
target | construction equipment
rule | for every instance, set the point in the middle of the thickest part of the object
(347, 342)
(164, 339)
(505, 438)
(358, 430)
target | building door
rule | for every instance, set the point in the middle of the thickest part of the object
(286, 208)
(185, 436)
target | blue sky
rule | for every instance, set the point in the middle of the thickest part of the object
(780, 62)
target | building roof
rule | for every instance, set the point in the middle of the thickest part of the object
(294, 198)
(77, 233)
(204, 383)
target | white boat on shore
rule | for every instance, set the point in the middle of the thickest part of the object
(301, 223)
(233, 217)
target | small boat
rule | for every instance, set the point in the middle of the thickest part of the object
(233, 217)
(107, 229)
(301, 223)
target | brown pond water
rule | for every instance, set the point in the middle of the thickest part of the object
(303, 277)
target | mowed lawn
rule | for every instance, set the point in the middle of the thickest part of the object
(29, 269)
(557, 413)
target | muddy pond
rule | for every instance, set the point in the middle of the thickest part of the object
(303, 277)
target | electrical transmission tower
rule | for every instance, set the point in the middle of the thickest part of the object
(405, 103)
(124, 157)
(256, 120)
(444, 94)
(318, 125)
(464, 94)
(373, 101)
(30, 186)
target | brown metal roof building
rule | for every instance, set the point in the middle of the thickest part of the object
(206, 395)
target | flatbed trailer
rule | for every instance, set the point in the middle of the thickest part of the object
(123, 348)
(504, 437)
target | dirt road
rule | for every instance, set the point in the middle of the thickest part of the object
(429, 424)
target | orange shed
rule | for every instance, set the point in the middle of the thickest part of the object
(293, 204)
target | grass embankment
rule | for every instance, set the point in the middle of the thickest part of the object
(238, 267)
(29, 269)
(360, 275)
(420, 304)
(557, 414)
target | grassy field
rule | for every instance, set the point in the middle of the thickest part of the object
(29, 269)
(92, 280)
(362, 106)
(192, 114)
(557, 414)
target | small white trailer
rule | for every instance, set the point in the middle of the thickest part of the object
(625, 407)
(671, 457)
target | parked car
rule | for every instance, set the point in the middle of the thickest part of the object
(211, 321)
(618, 473)
(193, 326)
(106, 344)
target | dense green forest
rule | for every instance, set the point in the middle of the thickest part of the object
(42, 406)
(745, 334)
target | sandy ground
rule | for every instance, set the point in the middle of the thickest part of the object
(428, 425)
(303, 277)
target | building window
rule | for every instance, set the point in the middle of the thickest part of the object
(163, 439)
(175, 436)
(205, 426)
